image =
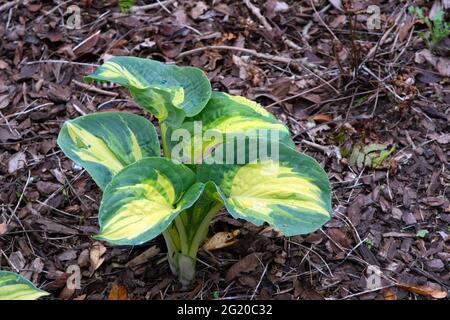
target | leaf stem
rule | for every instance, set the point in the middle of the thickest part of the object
(163, 129)
(183, 235)
(203, 229)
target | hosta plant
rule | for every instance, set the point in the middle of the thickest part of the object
(219, 151)
(16, 287)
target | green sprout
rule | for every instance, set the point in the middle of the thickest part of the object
(421, 233)
(438, 28)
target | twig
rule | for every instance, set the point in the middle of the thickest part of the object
(151, 6)
(54, 9)
(28, 111)
(388, 87)
(9, 5)
(94, 89)
(21, 194)
(111, 101)
(9, 261)
(258, 14)
(385, 36)
(296, 63)
(13, 212)
(77, 108)
(312, 250)
(65, 62)
(86, 40)
(259, 282)
(9, 17)
(299, 94)
(329, 151)
(311, 22)
(164, 7)
(284, 60)
(367, 291)
(321, 20)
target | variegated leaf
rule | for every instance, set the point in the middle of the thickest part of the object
(226, 115)
(290, 191)
(142, 200)
(168, 91)
(15, 287)
(104, 143)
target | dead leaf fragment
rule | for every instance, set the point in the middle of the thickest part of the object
(429, 290)
(221, 240)
(86, 45)
(118, 292)
(198, 10)
(95, 255)
(441, 64)
(246, 264)
(143, 257)
(274, 6)
(4, 101)
(389, 295)
(3, 65)
(59, 93)
(337, 4)
(16, 162)
(3, 228)
(66, 293)
(321, 118)
(83, 258)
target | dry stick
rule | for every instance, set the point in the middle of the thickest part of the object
(60, 211)
(321, 20)
(316, 253)
(299, 94)
(297, 63)
(9, 5)
(77, 108)
(9, 18)
(311, 22)
(259, 282)
(8, 125)
(258, 14)
(162, 5)
(86, 40)
(9, 261)
(388, 87)
(151, 6)
(112, 100)
(386, 34)
(65, 62)
(266, 56)
(367, 291)
(60, 189)
(404, 47)
(28, 111)
(55, 8)
(94, 89)
(13, 212)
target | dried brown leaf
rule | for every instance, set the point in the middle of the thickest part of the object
(143, 257)
(428, 290)
(16, 162)
(441, 64)
(247, 264)
(118, 292)
(95, 255)
(221, 240)
(3, 228)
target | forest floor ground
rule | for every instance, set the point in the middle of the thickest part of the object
(361, 93)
